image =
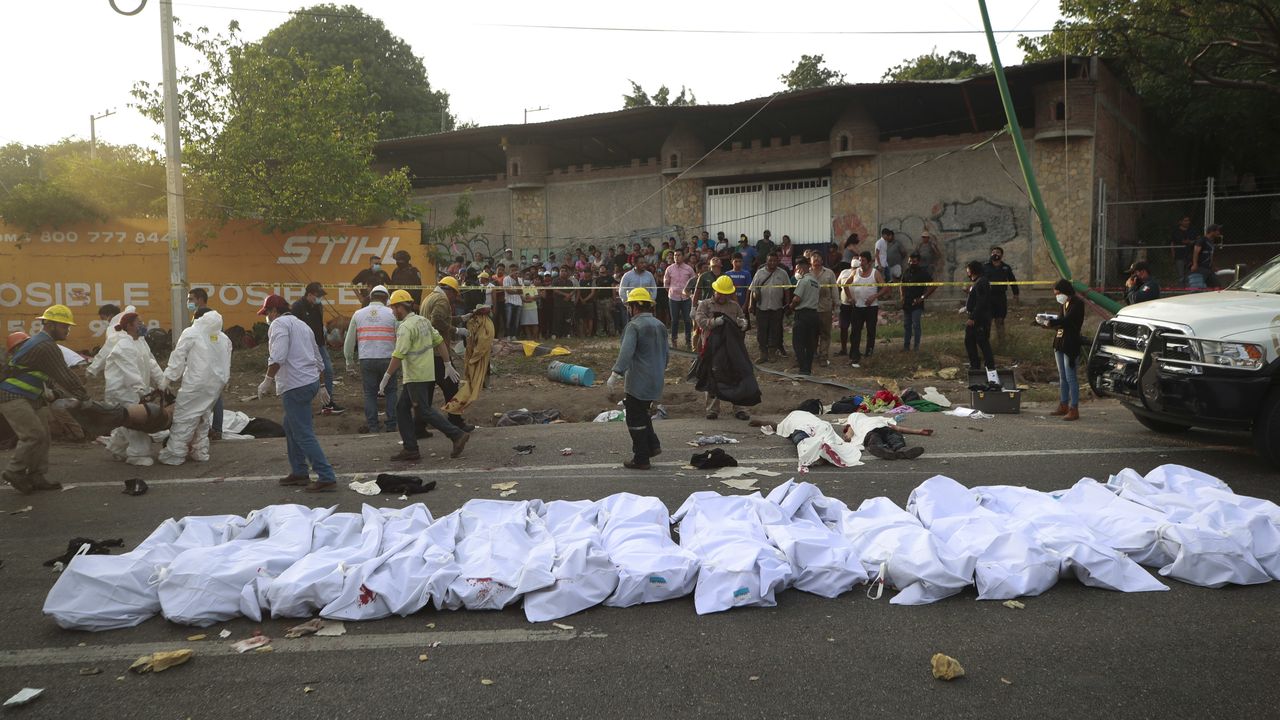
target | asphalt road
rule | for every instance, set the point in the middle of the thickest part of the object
(1072, 651)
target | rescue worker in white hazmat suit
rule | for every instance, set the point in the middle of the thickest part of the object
(109, 339)
(201, 360)
(132, 373)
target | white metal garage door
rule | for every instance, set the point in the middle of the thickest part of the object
(799, 208)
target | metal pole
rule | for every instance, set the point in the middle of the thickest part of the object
(173, 167)
(1101, 275)
(1209, 214)
(93, 132)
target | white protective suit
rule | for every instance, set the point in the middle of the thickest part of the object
(109, 339)
(131, 372)
(202, 361)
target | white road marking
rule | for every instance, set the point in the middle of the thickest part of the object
(872, 466)
(383, 641)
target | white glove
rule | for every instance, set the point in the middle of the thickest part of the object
(164, 384)
(382, 386)
(742, 323)
(461, 332)
(450, 372)
(614, 379)
(323, 395)
(49, 395)
(267, 385)
(718, 321)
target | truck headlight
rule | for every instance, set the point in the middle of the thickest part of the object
(1245, 356)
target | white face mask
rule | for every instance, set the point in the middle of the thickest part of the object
(1062, 299)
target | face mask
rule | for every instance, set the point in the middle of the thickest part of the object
(376, 267)
(1062, 299)
(191, 307)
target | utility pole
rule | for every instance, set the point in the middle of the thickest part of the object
(93, 132)
(173, 175)
(529, 110)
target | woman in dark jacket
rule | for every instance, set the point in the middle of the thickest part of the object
(1066, 348)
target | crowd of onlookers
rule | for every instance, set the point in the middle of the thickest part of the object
(579, 292)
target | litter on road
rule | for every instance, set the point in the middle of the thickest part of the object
(23, 696)
(561, 557)
(946, 667)
(161, 661)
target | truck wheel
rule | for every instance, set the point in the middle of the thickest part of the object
(1266, 430)
(1160, 426)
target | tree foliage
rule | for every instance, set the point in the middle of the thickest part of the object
(661, 98)
(279, 139)
(445, 239)
(1209, 71)
(64, 184)
(396, 79)
(809, 72)
(932, 66)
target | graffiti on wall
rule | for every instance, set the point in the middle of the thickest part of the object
(967, 230)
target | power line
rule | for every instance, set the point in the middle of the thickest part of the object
(629, 29)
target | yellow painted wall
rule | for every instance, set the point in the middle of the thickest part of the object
(127, 262)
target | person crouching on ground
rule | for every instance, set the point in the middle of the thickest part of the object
(417, 346)
(36, 365)
(642, 362)
(294, 371)
(1066, 348)
(132, 373)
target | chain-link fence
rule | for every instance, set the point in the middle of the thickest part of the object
(1153, 229)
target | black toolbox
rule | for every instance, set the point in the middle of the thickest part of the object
(1006, 401)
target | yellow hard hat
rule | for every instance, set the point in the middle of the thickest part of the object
(724, 285)
(58, 314)
(400, 296)
(449, 281)
(639, 295)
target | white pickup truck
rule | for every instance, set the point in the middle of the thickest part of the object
(1210, 360)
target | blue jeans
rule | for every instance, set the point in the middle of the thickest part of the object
(1068, 380)
(300, 434)
(414, 404)
(216, 424)
(328, 370)
(911, 327)
(371, 372)
(680, 313)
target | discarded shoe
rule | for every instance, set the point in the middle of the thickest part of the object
(712, 459)
(135, 487)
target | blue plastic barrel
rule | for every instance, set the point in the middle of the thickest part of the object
(570, 374)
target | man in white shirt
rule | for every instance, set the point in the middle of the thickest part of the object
(882, 252)
(372, 333)
(846, 302)
(294, 373)
(511, 286)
